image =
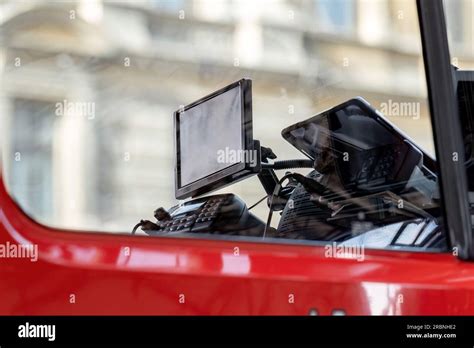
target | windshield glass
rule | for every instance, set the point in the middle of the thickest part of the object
(460, 26)
(90, 88)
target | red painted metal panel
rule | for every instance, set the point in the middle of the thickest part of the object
(120, 274)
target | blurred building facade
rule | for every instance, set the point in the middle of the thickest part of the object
(89, 88)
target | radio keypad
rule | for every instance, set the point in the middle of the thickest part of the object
(199, 220)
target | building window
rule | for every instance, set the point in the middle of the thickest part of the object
(335, 15)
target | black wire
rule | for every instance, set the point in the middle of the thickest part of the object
(275, 193)
(259, 201)
(269, 219)
(136, 227)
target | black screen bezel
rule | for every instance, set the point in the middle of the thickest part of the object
(229, 174)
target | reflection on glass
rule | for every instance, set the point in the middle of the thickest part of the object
(87, 104)
(378, 189)
(205, 131)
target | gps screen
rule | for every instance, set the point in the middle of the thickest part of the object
(209, 131)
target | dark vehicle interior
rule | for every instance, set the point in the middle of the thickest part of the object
(369, 183)
(465, 95)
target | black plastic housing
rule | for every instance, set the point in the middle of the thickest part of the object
(229, 174)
